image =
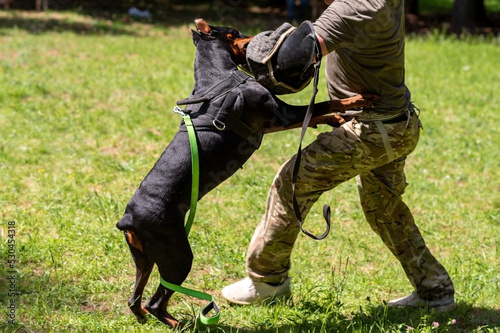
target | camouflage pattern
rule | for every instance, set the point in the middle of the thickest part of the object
(356, 149)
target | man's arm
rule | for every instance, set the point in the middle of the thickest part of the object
(324, 49)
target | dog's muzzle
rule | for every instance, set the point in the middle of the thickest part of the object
(283, 60)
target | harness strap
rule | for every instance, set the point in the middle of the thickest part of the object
(219, 88)
(385, 140)
(223, 104)
(192, 210)
(379, 122)
(229, 116)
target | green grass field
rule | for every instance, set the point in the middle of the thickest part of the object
(84, 117)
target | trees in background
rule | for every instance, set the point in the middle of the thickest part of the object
(412, 7)
(467, 14)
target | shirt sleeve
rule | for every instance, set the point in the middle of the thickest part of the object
(342, 23)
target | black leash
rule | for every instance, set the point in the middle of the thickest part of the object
(296, 166)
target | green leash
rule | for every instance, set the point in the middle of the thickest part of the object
(195, 183)
(192, 210)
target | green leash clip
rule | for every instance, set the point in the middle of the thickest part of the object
(192, 210)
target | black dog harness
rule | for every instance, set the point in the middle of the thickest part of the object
(221, 106)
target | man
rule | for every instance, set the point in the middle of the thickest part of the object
(364, 40)
(293, 15)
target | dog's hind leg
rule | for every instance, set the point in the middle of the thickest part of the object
(144, 265)
(172, 254)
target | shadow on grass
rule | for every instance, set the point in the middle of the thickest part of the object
(465, 318)
(36, 23)
(247, 17)
(117, 22)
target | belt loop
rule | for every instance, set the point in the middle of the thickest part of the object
(408, 112)
(385, 140)
(417, 112)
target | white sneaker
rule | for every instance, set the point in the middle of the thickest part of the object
(440, 305)
(246, 291)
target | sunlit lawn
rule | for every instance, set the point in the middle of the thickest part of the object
(84, 117)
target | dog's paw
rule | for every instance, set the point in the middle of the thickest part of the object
(172, 322)
(140, 313)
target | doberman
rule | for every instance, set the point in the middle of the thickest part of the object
(229, 125)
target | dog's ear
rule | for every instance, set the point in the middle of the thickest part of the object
(202, 26)
(196, 37)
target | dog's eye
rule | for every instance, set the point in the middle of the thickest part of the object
(233, 36)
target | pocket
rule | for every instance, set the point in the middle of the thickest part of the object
(404, 138)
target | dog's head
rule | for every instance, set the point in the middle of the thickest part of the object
(234, 41)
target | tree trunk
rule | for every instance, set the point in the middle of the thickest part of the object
(466, 15)
(480, 11)
(412, 7)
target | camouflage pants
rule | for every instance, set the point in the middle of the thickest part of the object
(354, 149)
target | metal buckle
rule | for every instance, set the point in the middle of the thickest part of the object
(179, 110)
(219, 124)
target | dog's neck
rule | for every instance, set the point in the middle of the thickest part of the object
(211, 65)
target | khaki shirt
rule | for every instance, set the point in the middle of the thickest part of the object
(365, 39)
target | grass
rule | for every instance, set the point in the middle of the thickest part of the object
(83, 118)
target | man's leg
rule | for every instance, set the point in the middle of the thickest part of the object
(331, 159)
(268, 256)
(334, 157)
(290, 7)
(381, 193)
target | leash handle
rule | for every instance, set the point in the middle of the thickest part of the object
(296, 166)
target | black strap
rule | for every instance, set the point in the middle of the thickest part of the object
(223, 104)
(229, 117)
(296, 166)
(221, 87)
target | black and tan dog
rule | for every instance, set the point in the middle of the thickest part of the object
(231, 112)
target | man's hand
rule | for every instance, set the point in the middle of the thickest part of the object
(358, 101)
(329, 119)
